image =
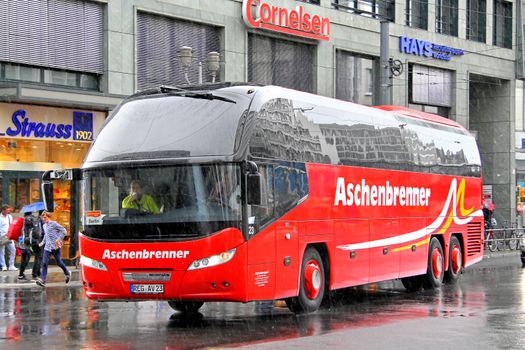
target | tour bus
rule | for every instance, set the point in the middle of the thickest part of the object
(238, 192)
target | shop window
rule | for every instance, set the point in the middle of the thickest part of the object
(354, 78)
(65, 154)
(476, 20)
(447, 17)
(382, 9)
(281, 62)
(502, 28)
(430, 86)
(159, 39)
(23, 73)
(65, 35)
(54, 77)
(417, 14)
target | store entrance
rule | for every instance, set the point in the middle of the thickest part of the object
(19, 188)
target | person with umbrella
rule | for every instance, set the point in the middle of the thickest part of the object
(30, 244)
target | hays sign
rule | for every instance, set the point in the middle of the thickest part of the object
(259, 14)
(427, 49)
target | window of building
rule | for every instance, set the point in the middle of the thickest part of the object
(447, 17)
(382, 9)
(476, 20)
(502, 28)
(159, 39)
(430, 86)
(53, 77)
(281, 62)
(315, 2)
(65, 35)
(417, 14)
(354, 78)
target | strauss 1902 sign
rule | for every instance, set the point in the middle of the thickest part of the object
(294, 22)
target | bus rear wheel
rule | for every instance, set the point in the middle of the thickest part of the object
(311, 284)
(455, 262)
(187, 307)
(436, 265)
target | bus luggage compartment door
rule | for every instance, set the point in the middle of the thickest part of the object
(384, 260)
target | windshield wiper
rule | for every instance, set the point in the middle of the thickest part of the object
(204, 95)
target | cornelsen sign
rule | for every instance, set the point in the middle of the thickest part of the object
(294, 22)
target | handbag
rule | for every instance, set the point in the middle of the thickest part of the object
(4, 240)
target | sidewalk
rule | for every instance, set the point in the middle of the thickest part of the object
(55, 278)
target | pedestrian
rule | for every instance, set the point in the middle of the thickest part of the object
(30, 244)
(54, 234)
(5, 243)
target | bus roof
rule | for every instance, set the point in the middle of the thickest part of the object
(407, 112)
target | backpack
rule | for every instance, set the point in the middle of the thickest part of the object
(32, 230)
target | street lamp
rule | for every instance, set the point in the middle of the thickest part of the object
(185, 56)
(213, 64)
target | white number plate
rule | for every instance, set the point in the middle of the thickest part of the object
(147, 288)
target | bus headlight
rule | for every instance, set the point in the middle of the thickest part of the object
(213, 260)
(95, 264)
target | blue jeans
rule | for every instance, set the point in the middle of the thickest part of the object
(10, 247)
(45, 262)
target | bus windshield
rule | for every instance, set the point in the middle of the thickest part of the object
(161, 202)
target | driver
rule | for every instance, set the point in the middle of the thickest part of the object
(138, 200)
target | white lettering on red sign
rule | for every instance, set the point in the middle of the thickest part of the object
(144, 254)
(363, 194)
(294, 22)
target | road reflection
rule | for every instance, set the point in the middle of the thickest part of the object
(63, 317)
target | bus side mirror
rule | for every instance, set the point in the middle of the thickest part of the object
(254, 189)
(47, 193)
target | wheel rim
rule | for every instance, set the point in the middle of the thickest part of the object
(437, 263)
(455, 258)
(312, 279)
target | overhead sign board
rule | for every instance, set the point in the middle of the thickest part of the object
(298, 22)
(427, 49)
(48, 123)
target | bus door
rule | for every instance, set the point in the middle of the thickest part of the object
(384, 260)
(287, 258)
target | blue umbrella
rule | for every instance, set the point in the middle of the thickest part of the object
(36, 206)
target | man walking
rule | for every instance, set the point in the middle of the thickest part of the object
(31, 239)
(54, 233)
(5, 221)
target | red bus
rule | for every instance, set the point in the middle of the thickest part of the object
(243, 193)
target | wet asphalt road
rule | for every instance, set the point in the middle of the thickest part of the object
(486, 310)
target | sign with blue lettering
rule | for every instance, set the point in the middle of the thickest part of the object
(83, 126)
(22, 125)
(427, 49)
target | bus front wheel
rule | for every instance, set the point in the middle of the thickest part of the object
(311, 284)
(436, 265)
(185, 306)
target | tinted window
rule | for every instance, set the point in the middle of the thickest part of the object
(170, 127)
(315, 129)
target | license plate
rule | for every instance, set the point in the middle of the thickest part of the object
(147, 288)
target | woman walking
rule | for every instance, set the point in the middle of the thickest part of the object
(52, 243)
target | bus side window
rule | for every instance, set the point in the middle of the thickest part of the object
(291, 185)
(264, 213)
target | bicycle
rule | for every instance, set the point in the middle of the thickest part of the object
(491, 242)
